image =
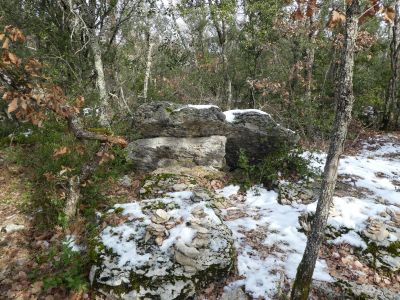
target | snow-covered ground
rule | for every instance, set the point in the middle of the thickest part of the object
(267, 235)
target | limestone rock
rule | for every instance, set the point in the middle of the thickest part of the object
(257, 134)
(153, 153)
(142, 258)
(12, 228)
(234, 294)
(125, 181)
(391, 262)
(166, 119)
(376, 230)
(254, 131)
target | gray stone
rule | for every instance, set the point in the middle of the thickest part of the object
(235, 293)
(257, 134)
(168, 119)
(179, 187)
(132, 266)
(125, 181)
(13, 228)
(391, 262)
(153, 153)
(352, 290)
(253, 131)
(376, 231)
(200, 194)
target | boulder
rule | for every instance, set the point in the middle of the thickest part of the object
(166, 119)
(166, 248)
(252, 130)
(257, 134)
(152, 153)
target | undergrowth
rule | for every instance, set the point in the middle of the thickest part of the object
(290, 164)
(35, 151)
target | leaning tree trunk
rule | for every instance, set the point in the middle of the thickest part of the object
(345, 99)
(104, 117)
(392, 103)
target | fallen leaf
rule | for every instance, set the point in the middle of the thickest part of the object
(6, 43)
(60, 151)
(13, 105)
(13, 58)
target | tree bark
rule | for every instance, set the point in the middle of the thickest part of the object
(104, 117)
(149, 62)
(310, 56)
(222, 40)
(345, 100)
(392, 103)
(74, 183)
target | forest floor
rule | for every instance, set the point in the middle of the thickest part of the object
(22, 244)
(266, 233)
(363, 226)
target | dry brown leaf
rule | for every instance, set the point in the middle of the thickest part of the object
(60, 151)
(6, 43)
(2, 36)
(336, 18)
(311, 8)
(389, 14)
(13, 105)
(119, 140)
(80, 149)
(105, 157)
(297, 14)
(13, 58)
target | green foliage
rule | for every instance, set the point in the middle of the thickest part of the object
(282, 164)
(66, 268)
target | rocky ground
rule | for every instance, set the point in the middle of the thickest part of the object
(180, 219)
(362, 250)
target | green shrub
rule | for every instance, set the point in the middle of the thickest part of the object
(282, 164)
(66, 268)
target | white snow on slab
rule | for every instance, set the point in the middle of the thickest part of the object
(119, 238)
(230, 114)
(197, 106)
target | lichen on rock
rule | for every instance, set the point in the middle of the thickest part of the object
(164, 253)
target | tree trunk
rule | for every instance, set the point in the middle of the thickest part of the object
(228, 81)
(74, 183)
(392, 103)
(104, 117)
(220, 27)
(148, 68)
(309, 63)
(345, 99)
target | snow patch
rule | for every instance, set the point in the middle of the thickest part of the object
(230, 114)
(197, 106)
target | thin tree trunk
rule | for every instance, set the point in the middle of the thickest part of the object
(221, 32)
(392, 103)
(227, 79)
(148, 68)
(104, 117)
(309, 63)
(345, 99)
